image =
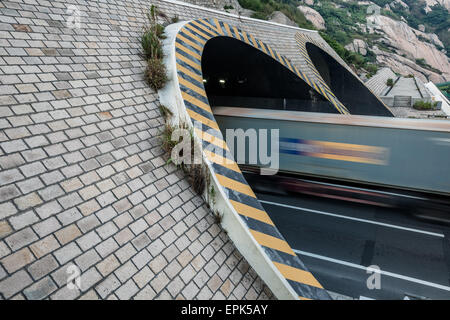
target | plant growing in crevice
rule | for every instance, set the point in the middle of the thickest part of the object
(155, 73)
(197, 177)
(153, 33)
(167, 144)
(196, 172)
(212, 193)
(165, 112)
(168, 20)
(156, 76)
(218, 217)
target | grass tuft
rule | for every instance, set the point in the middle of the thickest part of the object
(155, 73)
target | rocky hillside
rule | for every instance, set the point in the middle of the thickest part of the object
(409, 36)
(409, 51)
(431, 3)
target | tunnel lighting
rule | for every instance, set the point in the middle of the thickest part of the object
(221, 80)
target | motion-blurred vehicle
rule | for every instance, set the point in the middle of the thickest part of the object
(402, 163)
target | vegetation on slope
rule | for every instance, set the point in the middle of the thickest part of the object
(343, 19)
(340, 27)
(353, 59)
(264, 8)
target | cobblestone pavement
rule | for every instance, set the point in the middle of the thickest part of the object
(82, 178)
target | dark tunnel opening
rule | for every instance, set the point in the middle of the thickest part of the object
(348, 89)
(238, 75)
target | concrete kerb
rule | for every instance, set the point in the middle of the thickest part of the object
(170, 97)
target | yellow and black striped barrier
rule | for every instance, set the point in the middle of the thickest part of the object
(189, 43)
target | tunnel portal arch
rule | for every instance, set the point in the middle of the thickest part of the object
(247, 77)
(348, 88)
(210, 48)
(190, 41)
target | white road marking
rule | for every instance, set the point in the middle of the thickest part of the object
(386, 273)
(365, 298)
(434, 234)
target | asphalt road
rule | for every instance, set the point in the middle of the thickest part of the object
(339, 240)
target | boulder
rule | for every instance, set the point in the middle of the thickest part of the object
(280, 17)
(313, 16)
(359, 46)
(408, 45)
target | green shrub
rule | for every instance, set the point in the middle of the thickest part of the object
(390, 82)
(372, 68)
(424, 64)
(422, 105)
(254, 5)
(160, 31)
(151, 44)
(259, 15)
(153, 33)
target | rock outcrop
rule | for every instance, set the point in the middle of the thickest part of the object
(313, 16)
(409, 45)
(280, 17)
(431, 3)
(405, 66)
(358, 45)
(230, 6)
(308, 2)
(399, 2)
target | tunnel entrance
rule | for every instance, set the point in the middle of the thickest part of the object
(348, 89)
(238, 75)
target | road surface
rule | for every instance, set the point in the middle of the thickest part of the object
(339, 240)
